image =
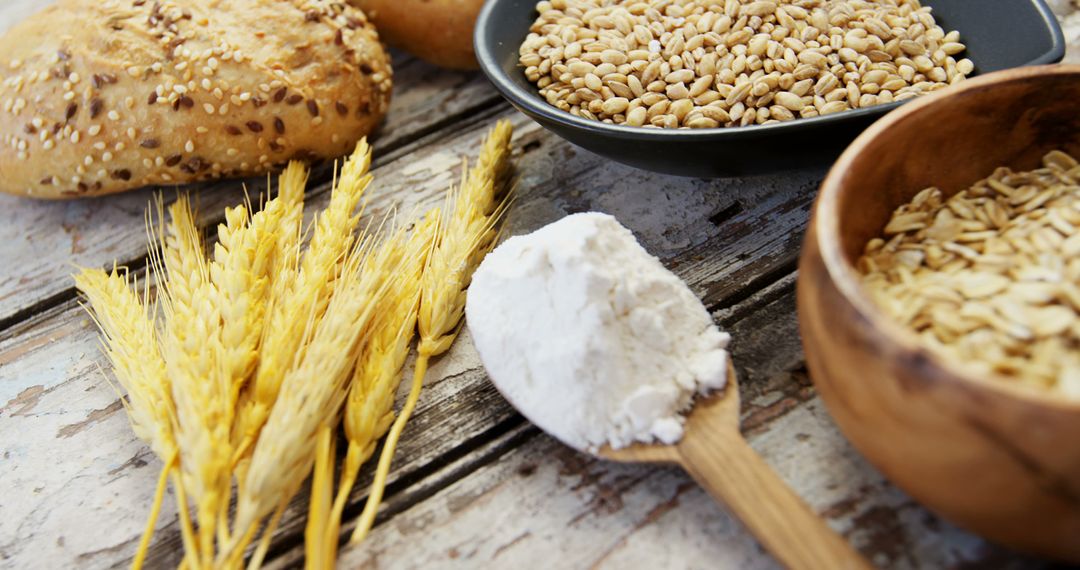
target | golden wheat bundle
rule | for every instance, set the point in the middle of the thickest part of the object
(242, 369)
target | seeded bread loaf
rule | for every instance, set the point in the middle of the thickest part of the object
(101, 96)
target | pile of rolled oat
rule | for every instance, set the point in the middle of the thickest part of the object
(710, 63)
(990, 276)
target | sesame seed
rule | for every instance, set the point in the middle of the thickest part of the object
(202, 130)
(71, 109)
(76, 180)
(106, 156)
(206, 84)
(279, 125)
(114, 116)
(189, 146)
(255, 126)
(129, 102)
(93, 130)
(88, 160)
(181, 66)
(264, 88)
(16, 63)
(207, 71)
(95, 108)
(119, 147)
(212, 63)
(208, 108)
(156, 67)
(342, 108)
(224, 109)
(21, 155)
(134, 71)
(173, 160)
(80, 169)
(150, 143)
(166, 176)
(99, 145)
(219, 94)
(245, 96)
(48, 144)
(75, 137)
(74, 77)
(37, 122)
(159, 161)
(233, 130)
(317, 121)
(180, 88)
(102, 173)
(232, 152)
(236, 101)
(131, 133)
(294, 99)
(148, 163)
(69, 96)
(335, 138)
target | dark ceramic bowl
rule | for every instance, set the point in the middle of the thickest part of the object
(999, 35)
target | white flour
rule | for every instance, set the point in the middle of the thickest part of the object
(590, 337)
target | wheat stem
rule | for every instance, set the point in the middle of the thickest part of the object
(155, 511)
(371, 507)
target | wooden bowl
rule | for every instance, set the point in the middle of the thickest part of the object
(993, 457)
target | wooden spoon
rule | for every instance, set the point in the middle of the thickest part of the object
(715, 454)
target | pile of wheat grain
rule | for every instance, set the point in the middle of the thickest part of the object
(704, 64)
(241, 369)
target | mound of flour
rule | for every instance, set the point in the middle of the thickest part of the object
(590, 337)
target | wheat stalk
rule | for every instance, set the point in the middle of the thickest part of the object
(302, 294)
(130, 342)
(462, 242)
(375, 379)
(311, 395)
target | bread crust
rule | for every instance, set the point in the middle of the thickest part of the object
(102, 96)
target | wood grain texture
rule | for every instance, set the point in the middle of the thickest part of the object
(473, 485)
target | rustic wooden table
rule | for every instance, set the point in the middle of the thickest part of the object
(473, 485)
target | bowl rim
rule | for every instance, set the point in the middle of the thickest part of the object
(532, 104)
(844, 275)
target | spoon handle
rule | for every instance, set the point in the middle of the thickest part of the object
(724, 464)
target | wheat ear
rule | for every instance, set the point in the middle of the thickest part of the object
(464, 240)
(375, 379)
(311, 395)
(130, 342)
(302, 295)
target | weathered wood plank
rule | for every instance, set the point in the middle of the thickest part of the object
(43, 239)
(544, 501)
(53, 362)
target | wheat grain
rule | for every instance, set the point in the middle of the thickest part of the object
(703, 64)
